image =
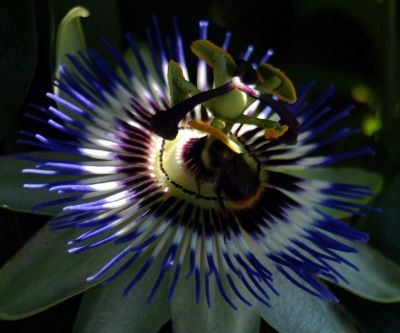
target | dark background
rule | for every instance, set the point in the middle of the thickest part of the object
(353, 44)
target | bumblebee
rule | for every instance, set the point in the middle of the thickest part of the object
(236, 177)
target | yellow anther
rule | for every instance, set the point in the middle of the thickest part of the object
(215, 132)
(271, 133)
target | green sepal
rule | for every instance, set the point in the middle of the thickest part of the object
(43, 274)
(275, 82)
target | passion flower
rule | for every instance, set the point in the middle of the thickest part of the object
(205, 176)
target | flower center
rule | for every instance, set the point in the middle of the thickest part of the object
(206, 163)
(203, 170)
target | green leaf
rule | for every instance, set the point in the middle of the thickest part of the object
(220, 318)
(17, 60)
(339, 175)
(14, 196)
(43, 274)
(297, 311)
(275, 82)
(378, 278)
(105, 309)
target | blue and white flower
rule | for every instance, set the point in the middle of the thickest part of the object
(206, 177)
